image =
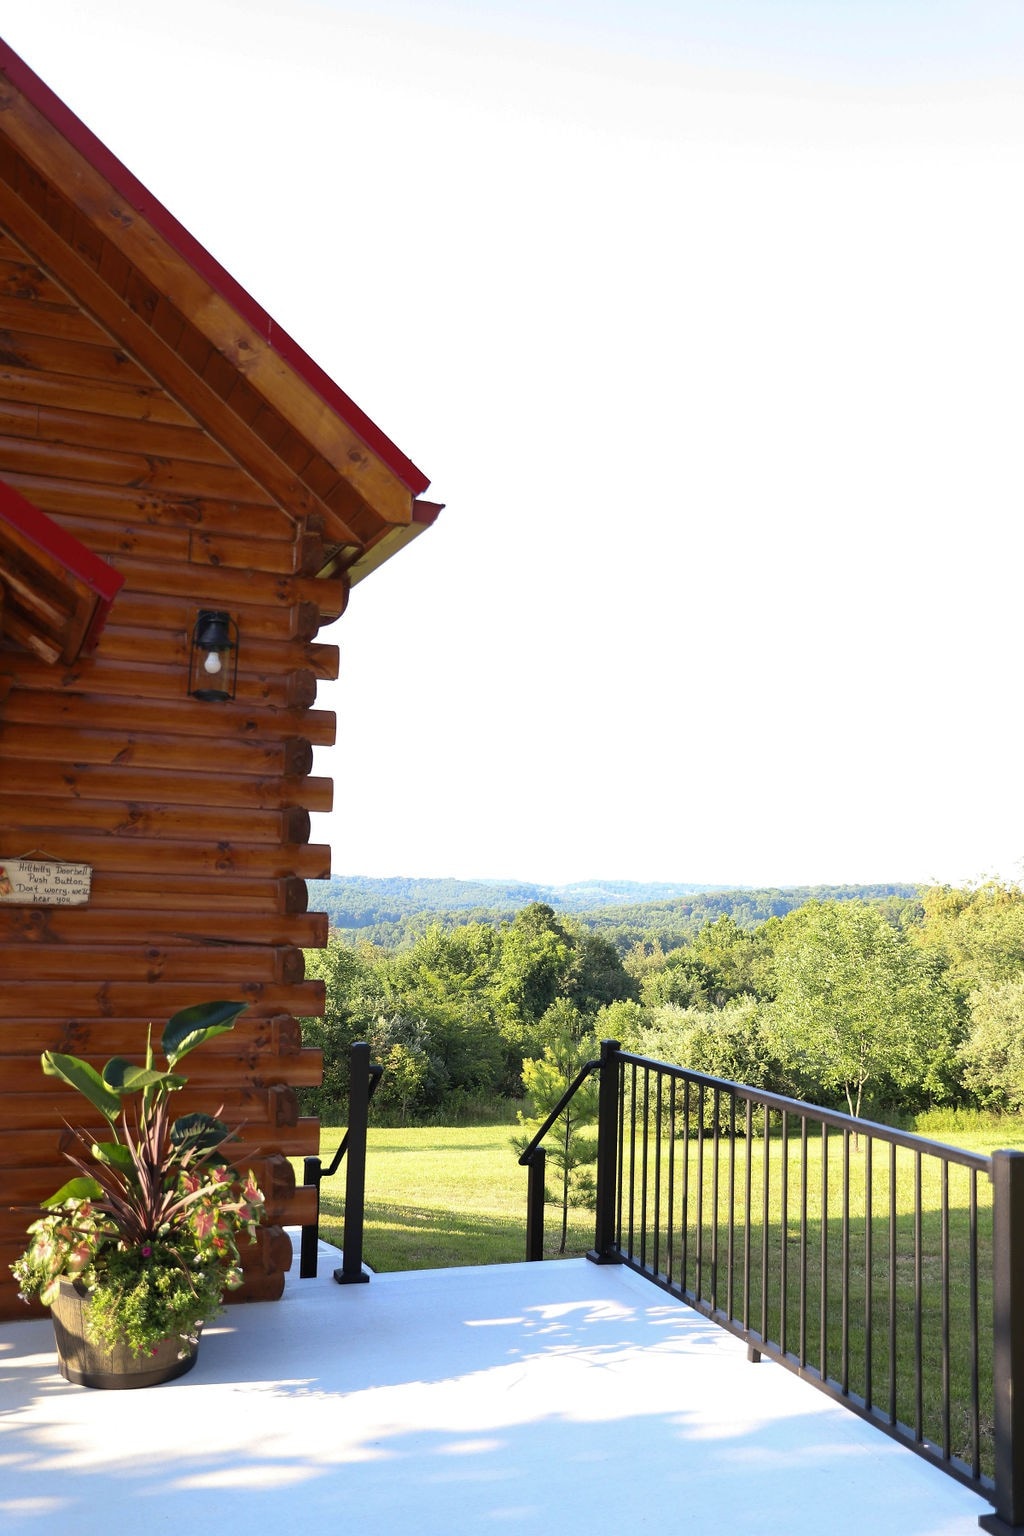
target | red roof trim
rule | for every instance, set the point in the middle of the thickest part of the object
(206, 266)
(76, 559)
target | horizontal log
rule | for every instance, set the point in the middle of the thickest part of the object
(59, 1106)
(24, 1188)
(146, 819)
(140, 402)
(21, 280)
(53, 317)
(185, 547)
(90, 429)
(166, 682)
(258, 1286)
(164, 893)
(46, 927)
(154, 786)
(271, 1251)
(134, 999)
(181, 478)
(149, 610)
(310, 861)
(206, 963)
(127, 505)
(81, 359)
(275, 1037)
(293, 732)
(54, 741)
(260, 657)
(227, 586)
(39, 1149)
(325, 660)
(24, 1075)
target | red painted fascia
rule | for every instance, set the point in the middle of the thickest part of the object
(85, 142)
(80, 562)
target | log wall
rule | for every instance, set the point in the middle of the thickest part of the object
(193, 816)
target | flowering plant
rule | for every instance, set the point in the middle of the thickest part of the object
(150, 1228)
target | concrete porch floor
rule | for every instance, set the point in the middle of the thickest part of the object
(518, 1398)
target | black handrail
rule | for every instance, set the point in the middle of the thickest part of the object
(364, 1077)
(577, 1083)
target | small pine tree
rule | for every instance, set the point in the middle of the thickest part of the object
(545, 1079)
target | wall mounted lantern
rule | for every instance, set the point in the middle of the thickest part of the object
(213, 659)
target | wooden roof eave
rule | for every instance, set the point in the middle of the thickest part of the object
(63, 152)
(424, 514)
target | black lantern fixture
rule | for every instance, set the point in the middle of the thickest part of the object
(213, 659)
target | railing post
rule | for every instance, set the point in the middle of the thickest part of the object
(535, 1206)
(308, 1247)
(351, 1271)
(604, 1250)
(1008, 1343)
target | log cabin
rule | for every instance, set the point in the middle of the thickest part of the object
(170, 460)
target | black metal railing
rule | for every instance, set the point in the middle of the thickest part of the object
(364, 1075)
(884, 1268)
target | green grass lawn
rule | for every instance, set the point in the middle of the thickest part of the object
(436, 1198)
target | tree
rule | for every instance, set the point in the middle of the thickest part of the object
(993, 1053)
(856, 1003)
(546, 1078)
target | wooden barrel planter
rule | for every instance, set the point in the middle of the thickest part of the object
(87, 1364)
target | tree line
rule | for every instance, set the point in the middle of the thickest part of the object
(884, 1005)
(395, 912)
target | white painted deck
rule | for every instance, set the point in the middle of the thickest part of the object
(560, 1397)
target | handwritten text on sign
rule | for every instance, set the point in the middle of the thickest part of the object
(44, 883)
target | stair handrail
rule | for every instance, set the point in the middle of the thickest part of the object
(533, 1158)
(364, 1079)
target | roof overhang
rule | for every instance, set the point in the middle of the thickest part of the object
(54, 593)
(108, 241)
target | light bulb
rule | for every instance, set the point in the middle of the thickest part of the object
(212, 663)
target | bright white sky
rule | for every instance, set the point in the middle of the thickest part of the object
(706, 320)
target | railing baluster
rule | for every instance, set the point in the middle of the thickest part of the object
(869, 1269)
(823, 1265)
(975, 1335)
(747, 1175)
(699, 1287)
(892, 1282)
(945, 1309)
(656, 1258)
(803, 1241)
(684, 1219)
(784, 1238)
(765, 1173)
(714, 1204)
(729, 1303)
(918, 1330)
(670, 1194)
(844, 1323)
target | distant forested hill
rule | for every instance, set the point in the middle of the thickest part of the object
(396, 911)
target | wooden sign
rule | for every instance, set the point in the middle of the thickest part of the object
(44, 883)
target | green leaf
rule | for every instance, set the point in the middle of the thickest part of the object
(125, 1077)
(192, 1026)
(198, 1131)
(86, 1079)
(82, 1188)
(114, 1154)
